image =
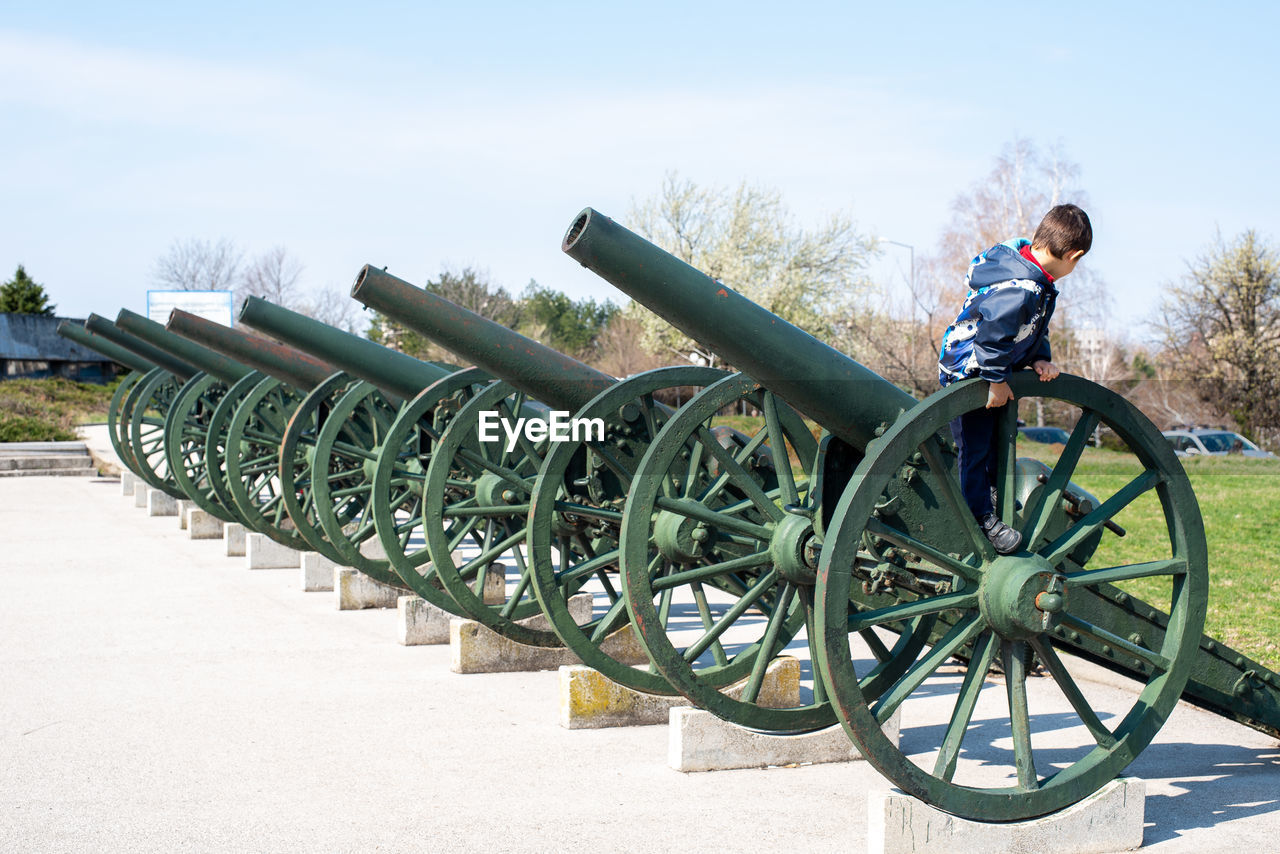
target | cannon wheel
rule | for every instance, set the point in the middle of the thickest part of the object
(743, 532)
(297, 461)
(215, 445)
(1015, 606)
(577, 511)
(342, 474)
(186, 435)
(400, 474)
(147, 405)
(477, 494)
(254, 436)
(117, 420)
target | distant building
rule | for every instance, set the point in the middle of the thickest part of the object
(31, 348)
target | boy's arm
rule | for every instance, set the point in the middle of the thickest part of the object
(1003, 314)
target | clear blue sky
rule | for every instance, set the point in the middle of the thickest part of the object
(424, 135)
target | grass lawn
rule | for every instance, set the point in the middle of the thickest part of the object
(47, 410)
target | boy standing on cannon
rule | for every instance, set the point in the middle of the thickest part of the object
(1002, 327)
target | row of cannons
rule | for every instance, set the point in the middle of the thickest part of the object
(715, 550)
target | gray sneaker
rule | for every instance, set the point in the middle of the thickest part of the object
(1005, 539)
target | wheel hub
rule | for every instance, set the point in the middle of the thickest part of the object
(495, 491)
(791, 552)
(680, 538)
(1022, 596)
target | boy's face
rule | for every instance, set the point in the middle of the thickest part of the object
(1059, 267)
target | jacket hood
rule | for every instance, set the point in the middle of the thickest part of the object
(1003, 262)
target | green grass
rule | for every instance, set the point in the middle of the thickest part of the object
(48, 410)
(1239, 502)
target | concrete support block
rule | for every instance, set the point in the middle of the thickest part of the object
(127, 481)
(161, 503)
(234, 534)
(700, 741)
(591, 700)
(203, 525)
(1108, 820)
(140, 491)
(317, 573)
(475, 648)
(184, 507)
(419, 622)
(262, 552)
(356, 591)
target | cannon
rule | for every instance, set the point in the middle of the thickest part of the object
(879, 509)
(137, 415)
(138, 367)
(344, 437)
(552, 508)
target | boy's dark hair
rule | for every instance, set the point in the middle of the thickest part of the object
(1064, 229)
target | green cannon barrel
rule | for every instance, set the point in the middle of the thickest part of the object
(277, 360)
(536, 369)
(395, 373)
(112, 351)
(825, 384)
(99, 325)
(226, 369)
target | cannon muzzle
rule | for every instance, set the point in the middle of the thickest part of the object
(158, 357)
(276, 360)
(226, 369)
(825, 384)
(395, 373)
(114, 352)
(536, 369)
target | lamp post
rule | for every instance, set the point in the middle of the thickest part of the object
(911, 283)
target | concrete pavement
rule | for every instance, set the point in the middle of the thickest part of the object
(156, 696)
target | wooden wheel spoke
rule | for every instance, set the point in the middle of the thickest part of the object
(772, 630)
(1128, 572)
(961, 633)
(739, 608)
(702, 513)
(613, 619)
(703, 573)
(704, 612)
(778, 448)
(585, 569)
(934, 556)
(488, 554)
(984, 652)
(1155, 659)
(1046, 653)
(961, 600)
(735, 473)
(1046, 505)
(513, 601)
(1007, 460)
(877, 647)
(1013, 657)
(1085, 527)
(955, 499)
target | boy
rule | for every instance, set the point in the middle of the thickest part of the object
(1002, 327)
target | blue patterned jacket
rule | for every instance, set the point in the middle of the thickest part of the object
(1003, 325)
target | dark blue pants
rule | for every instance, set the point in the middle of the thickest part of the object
(975, 435)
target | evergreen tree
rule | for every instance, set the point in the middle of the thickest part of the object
(23, 295)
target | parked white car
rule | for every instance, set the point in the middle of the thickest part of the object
(1187, 443)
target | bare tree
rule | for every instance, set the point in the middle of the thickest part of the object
(273, 276)
(898, 331)
(746, 237)
(198, 265)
